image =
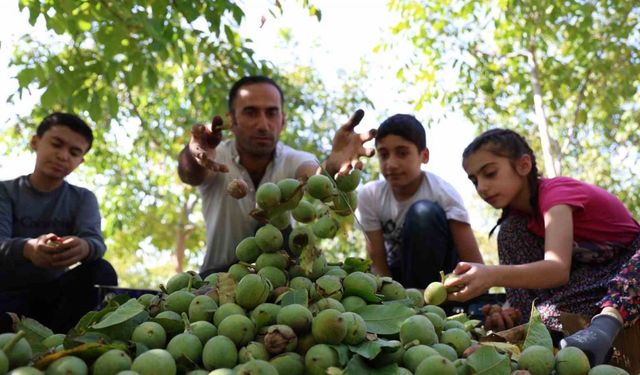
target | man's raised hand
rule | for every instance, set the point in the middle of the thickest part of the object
(203, 143)
(348, 147)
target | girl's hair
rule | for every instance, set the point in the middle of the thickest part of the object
(511, 145)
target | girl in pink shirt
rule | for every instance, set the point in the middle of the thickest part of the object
(566, 244)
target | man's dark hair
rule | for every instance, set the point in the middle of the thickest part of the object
(250, 80)
(405, 126)
(69, 120)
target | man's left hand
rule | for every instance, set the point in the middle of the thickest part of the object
(348, 147)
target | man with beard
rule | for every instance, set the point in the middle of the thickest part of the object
(255, 156)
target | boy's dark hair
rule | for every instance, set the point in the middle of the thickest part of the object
(69, 120)
(405, 126)
(511, 145)
(250, 80)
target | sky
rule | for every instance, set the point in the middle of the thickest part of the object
(348, 32)
(12, 25)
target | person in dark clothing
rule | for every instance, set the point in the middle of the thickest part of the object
(51, 244)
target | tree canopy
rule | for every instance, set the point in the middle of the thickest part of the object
(144, 73)
(565, 74)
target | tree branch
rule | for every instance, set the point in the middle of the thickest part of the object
(583, 87)
(552, 166)
(134, 106)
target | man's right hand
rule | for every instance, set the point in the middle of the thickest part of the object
(41, 250)
(347, 147)
(203, 143)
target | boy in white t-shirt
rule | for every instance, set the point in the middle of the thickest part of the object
(415, 222)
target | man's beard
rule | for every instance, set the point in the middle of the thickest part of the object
(260, 151)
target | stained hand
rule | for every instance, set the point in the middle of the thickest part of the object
(72, 250)
(348, 147)
(203, 144)
(42, 250)
(498, 318)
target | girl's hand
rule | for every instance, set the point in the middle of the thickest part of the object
(475, 277)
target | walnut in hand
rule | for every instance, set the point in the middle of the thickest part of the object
(237, 188)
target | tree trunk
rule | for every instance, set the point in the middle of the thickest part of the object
(184, 229)
(181, 244)
(551, 164)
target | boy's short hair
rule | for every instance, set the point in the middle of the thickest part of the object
(69, 120)
(405, 126)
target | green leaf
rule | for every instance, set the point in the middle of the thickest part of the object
(460, 317)
(385, 319)
(504, 347)
(188, 10)
(357, 366)
(112, 44)
(128, 311)
(95, 107)
(84, 25)
(343, 354)
(34, 12)
(113, 105)
(228, 32)
(293, 297)
(237, 14)
(537, 331)
(123, 331)
(152, 77)
(33, 328)
(370, 349)
(405, 301)
(50, 97)
(88, 320)
(26, 76)
(135, 77)
(66, 5)
(154, 28)
(487, 361)
(35, 332)
(57, 24)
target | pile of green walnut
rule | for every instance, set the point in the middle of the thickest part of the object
(288, 313)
